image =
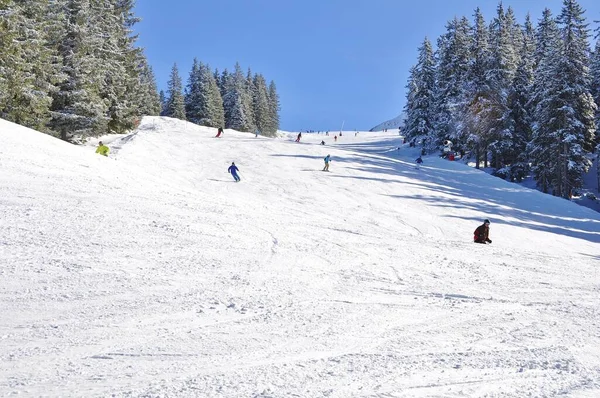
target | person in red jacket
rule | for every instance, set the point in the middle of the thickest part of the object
(482, 233)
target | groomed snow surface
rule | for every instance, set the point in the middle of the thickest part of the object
(151, 273)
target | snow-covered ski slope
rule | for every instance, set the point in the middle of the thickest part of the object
(152, 273)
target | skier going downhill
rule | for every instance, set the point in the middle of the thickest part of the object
(419, 162)
(327, 159)
(234, 172)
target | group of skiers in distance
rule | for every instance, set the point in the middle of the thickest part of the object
(481, 234)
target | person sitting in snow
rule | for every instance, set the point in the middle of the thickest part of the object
(482, 233)
(102, 149)
(234, 170)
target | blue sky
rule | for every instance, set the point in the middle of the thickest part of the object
(333, 61)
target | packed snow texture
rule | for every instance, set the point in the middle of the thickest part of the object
(152, 273)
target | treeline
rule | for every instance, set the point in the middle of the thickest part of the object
(229, 100)
(510, 96)
(71, 67)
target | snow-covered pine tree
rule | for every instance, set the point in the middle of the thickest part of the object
(520, 106)
(193, 95)
(544, 36)
(501, 72)
(595, 82)
(579, 132)
(149, 102)
(28, 66)
(217, 77)
(121, 63)
(175, 105)
(7, 47)
(544, 136)
(420, 102)
(163, 102)
(237, 102)
(223, 83)
(595, 91)
(260, 99)
(475, 121)
(274, 108)
(210, 102)
(249, 98)
(565, 109)
(454, 57)
(77, 107)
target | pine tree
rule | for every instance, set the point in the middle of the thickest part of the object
(454, 58)
(274, 108)
(224, 83)
(122, 65)
(545, 37)
(237, 102)
(595, 91)
(149, 102)
(163, 102)
(260, 99)
(501, 72)
(520, 106)
(217, 77)
(475, 121)
(210, 102)
(548, 51)
(77, 107)
(192, 96)
(250, 89)
(419, 104)
(9, 53)
(28, 69)
(175, 105)
(565, 127)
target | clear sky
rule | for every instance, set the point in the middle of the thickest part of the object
(333, 61)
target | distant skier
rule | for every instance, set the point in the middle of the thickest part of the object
(234, 170)
(299, 136)
(102, 149)
(322, 142)
(327, 159)
(481, 234)
(256, 134)
(335, 138)
(219, 132)
(340, 133)
(419, 161)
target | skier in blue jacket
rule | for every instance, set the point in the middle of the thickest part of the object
(234, 170)
(327, 159)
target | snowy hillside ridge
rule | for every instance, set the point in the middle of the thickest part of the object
(150, 272)
(394, 123)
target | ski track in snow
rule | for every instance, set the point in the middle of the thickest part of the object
(150, 273)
